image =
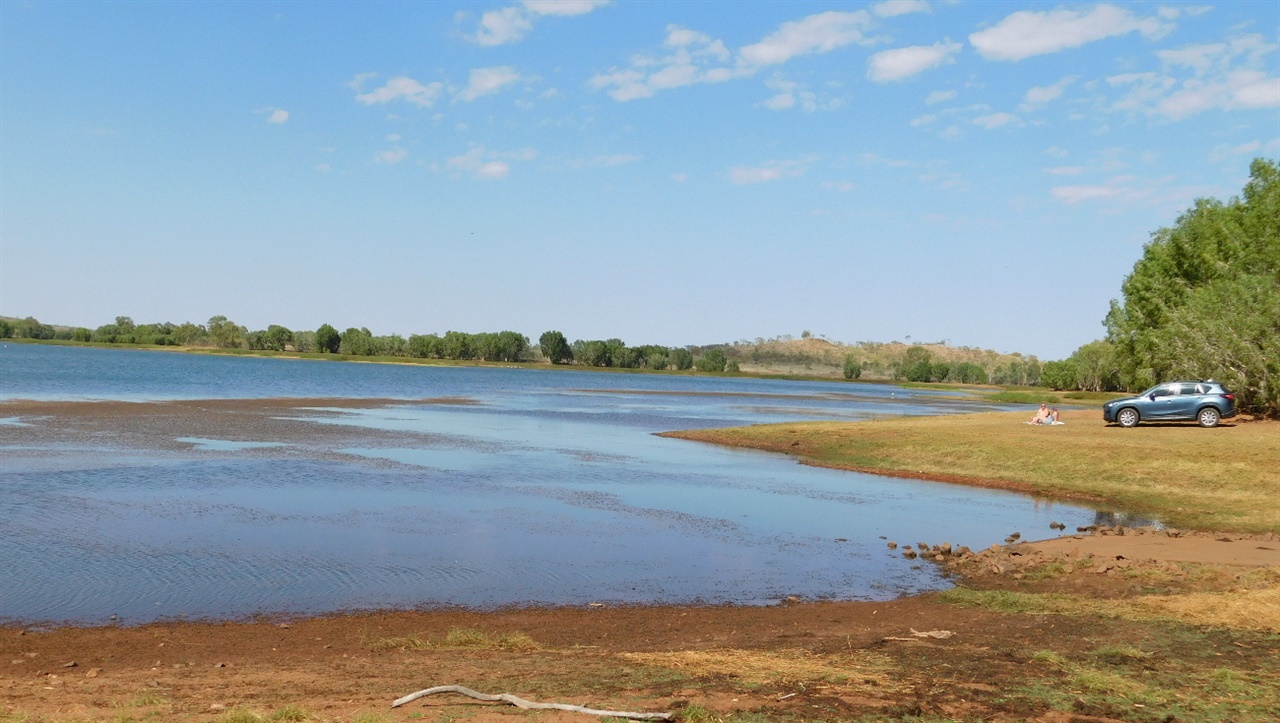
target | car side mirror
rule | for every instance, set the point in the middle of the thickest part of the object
(1152, 396)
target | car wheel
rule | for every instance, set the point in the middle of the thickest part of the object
(1208, 417)
(1128, 417)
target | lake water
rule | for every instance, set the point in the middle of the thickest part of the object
(527, 487)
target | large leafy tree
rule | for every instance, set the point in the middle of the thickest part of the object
(1204, 299)
(555, 347)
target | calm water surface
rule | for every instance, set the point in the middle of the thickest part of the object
(549, 488)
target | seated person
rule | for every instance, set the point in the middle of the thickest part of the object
(1042, 415)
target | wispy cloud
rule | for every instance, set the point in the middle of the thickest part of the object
(1040, 95)
(1232, 75)
(391, 156)
(510, 24)
(997, 120)
(818, 33)
(902, 63)
(478, 162)
(398, 88)
(487, 81)
(275, 116)
(771, 171)
(939, 96)
(693, 57)
(893, 8)
(1028, 33)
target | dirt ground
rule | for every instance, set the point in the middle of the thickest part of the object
(931, 657)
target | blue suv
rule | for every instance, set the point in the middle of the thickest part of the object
(1205, 402)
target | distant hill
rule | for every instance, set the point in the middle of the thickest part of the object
(879, 360)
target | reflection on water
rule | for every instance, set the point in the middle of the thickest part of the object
(540, 493)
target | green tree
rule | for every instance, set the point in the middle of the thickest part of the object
(1161, 329)
(713, 360)
(357, 342)
(226, 334)
(6, 329)
(424, 346)
(79, 334)
(456, 345)
(555, 347)
(682, 359)
(277, 337)
(327, 339)
(852, 369)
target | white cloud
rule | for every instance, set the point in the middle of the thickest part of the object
(818, 33)
(839, 186)
(499, 27)
(479, 163)
(275, 116)
(393, 137)
(563, 7)
(617, 159)
(903, 63)
(695, 58)
(997, 120)
(1233, 75)
(398, 88)
(323, 168)
(1064, 171)
(486, 81)
(923, 120)
(770, 171)
(679, 177)
(391, 156)
(939, 96)
(892, 8)
(1225, 152)
(1056, 152)
(1039, 95)
(790, 95)
(1029, 33)
(509, 24)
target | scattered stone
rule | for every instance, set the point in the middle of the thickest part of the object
(217, 706)
(945, 548)
(219, 665)
(92, 672)
(1055, 525)
(1171, 532)
(909, 553)
(922, 546)
(284, 626)
(842, 539)
(893, 545)
(69, 664)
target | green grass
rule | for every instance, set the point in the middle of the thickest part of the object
(1217, 479)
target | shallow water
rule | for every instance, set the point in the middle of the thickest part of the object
(549, 488)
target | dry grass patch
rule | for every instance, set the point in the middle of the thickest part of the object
(458, 638)
(1245, 609)
(867, 672)
(1221, 479)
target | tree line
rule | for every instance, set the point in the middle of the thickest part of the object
(503, 346)
(1202, 302)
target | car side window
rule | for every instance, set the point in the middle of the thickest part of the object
(1193, 389)
(1165, 391)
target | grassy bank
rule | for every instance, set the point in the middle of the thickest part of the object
(1217, 479)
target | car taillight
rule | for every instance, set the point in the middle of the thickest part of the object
(1227, 396)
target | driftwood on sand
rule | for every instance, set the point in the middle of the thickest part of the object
(522, 703)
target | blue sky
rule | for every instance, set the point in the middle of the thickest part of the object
(674, 173)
